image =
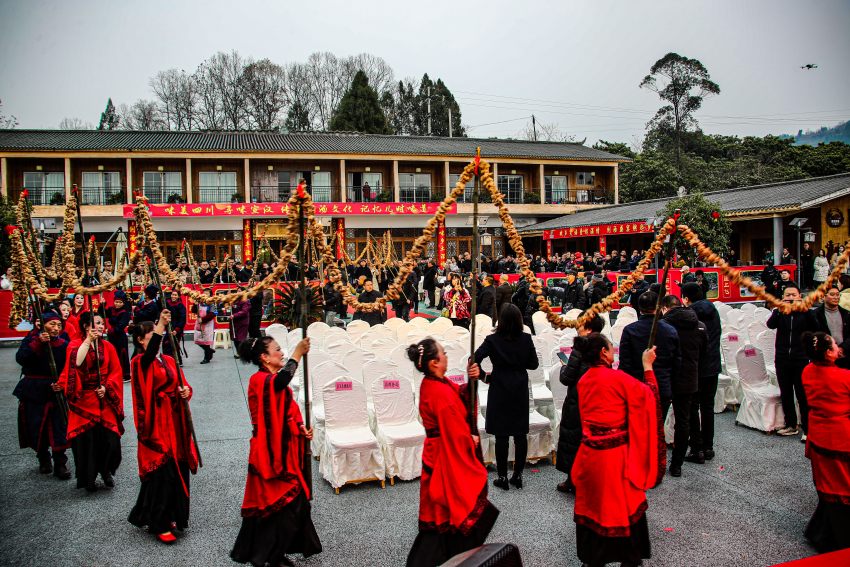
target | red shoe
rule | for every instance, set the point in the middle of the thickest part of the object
(167, 538)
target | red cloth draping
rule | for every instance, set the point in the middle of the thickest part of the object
(80, 382)
(160, 416)
(277, 448)
(72, 325)
(453, 487)
(827, 390)
(622, 452)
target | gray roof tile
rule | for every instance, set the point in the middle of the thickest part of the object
(330, 143)
(790, 195)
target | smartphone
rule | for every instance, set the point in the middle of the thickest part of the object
(564, 358)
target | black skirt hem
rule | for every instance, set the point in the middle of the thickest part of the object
(829, 526)
(595, 549)
(432, 547)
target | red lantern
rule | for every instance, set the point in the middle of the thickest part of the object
(715, 216)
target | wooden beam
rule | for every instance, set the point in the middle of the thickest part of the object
(4, 178)
(190, 197)
(129, 188)
(247, 180)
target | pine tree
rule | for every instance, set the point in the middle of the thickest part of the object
(360, 109)
(297, 119)
(108, 118)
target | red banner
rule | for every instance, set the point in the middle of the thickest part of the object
(599, 230)
(282, 209)
(548, 248)
(131, 237)
(247, 242)
(339, 225)
(603, 245)
(441, 245)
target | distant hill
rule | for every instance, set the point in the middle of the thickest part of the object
(838, 133)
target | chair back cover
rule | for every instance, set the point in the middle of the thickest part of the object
(730, 343)
(280, 334)
(438, 326)
(374, 368)
(751, 366)
(766, 343)
(394, 400)
(456, 375)
(457, 354)
(345, 403)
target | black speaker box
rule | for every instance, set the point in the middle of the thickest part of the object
(489, 555)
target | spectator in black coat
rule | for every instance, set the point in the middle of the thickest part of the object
(791, 359)
(486, 301)
(570, 434)
(702, 411)
(597, 289)
(332, 298)
(503, 295)
(834, 320)
(148, 309)
(255, 316)
(641, 286)
(362, 270)
(429, 282)
(573, 292)
(685, 383)
(635, 340)
(369, 295)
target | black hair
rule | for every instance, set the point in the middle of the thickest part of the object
(251, 350)
(816, 345)
(595, 325)
(647, 302)
(692, 292)
(510, 321)
(670, 302)
(86, 319)
(791, 286)
(138, 331)
(590, 347)
(422, 353)
(844, 281)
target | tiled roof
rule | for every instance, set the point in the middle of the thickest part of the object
(788, 195)
(329, 143)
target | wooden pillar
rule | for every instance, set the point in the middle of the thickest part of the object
(446, 178)
(190, 196)
(68, 179)
(542, 187)
(4, 177)
(396, 183)
(617, 184)
(246, 180)
(496, 175)
(343, 182)
(129, 188)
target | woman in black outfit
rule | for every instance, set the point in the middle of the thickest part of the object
(569, 435)
(512, 353)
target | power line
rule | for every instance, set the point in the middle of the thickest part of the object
(500, 122)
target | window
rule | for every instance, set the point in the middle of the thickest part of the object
(217, 187)
(102, 188)
(467, 191)
(556, 188)
(585, 178)
(511, 187)
(45, 188)
(163, 186)
(320, 186)
(415, 187)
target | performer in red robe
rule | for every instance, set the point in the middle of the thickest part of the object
(276, 508)
(165, 451)
(96, 404)
(454, 512)
(622, 454)
(827, 390)
(72, 324)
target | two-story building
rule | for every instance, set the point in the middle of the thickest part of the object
(222, 191)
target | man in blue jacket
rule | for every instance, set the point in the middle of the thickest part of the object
(668, 354)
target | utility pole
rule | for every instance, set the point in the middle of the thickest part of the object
(534, 125)
(429, 111)
(450, 121)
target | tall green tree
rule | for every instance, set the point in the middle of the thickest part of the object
(682, 84)
(297, 118)
(108, 118)
(649, 176)
(697, 212)
(360, 109)
(442, 104)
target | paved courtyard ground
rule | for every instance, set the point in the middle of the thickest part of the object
(747, 507)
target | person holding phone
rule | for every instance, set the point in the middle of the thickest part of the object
(569, 436)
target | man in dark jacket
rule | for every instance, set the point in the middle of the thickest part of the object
(668, 354)
(486, 301)
(835, 321)
(702, 410)
(332, 298)
(503, 295)
(362, 270)
(369, 295)
(692, 343)
(429, 283)
(148, 309)
(791, 359)
(641, 286)
(573, 292)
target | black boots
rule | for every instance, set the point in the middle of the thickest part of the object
(60, 466)
(501, 482)
(698, 458)
(516, 480)
(44, 465)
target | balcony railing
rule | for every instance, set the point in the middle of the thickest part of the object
(219, 195)
(163, 195)
(362, 194)
(103, 195)
(40, 195)
(281, 194)
(421, 194)
(595, 196)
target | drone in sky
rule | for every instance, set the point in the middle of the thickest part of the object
(809, 66)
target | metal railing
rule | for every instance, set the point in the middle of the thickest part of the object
(163, 195)
(219, 195)
(281, 194)
(421, 194)
(362, 194)
(596, 196)
(103, 195)
(40, 195)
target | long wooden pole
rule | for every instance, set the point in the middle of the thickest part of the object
(307, 463)
(473, 304)
(668, 260)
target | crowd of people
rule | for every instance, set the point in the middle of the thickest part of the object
(611, 444)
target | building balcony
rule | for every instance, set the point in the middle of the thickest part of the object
(421, 194)
(103, 195)
(366, 194)
(595, 196)
(281, 193)
(163, 195)
(220, 195)
(39, 195)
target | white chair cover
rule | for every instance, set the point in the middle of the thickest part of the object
(485, 321)
(402, 331)
(381, 331)
(357, 325)
(438, 326)
(338, 350)
(730, 344)
(457, 354)
(374, 369)
(292, 338)
(320, 374)
(761, 314)
(421, 322)
(761, 406)
(727, 394)
(417, 334)
(336, 334)
(397, 428)
(540, 322)
(280, 334)
(627, 313)
(350, 452)
(573, 314)
(723, 309)
(754, 328)
(748, 308)
(317, 331)
(401, 360)
(540, 439)
(395, 323)
(734, 318)
(766, 342)
(458, 334)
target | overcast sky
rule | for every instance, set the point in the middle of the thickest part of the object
(577, 64)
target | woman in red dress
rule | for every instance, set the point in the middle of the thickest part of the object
(454, 512)
(72, 323)
(276, 508)
(166, 454)
(622, 455)
(828, 444)
(96, 404)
